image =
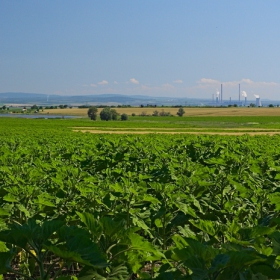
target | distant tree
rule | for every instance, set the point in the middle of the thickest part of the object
(143, 114)
(61, 106)
(114, 114)
(155, 113)
(252, 105)
(164, 114)
(181, 112)
(234, 105)
(124, 117)
(65, 106)
(133, 114)
(34, 107)
(270, 105)
(4, 107)
(105, 114)
(92, 113)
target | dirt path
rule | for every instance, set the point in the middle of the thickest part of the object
(170, 129)
(178, 132)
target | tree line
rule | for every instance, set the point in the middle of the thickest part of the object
(106, 114)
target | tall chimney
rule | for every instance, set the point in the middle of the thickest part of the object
(239, 93)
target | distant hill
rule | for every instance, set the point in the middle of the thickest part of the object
(110, 99)
(44, 99)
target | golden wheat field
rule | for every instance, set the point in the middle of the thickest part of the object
(188, 111)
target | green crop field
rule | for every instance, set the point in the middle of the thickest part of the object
(148, 206)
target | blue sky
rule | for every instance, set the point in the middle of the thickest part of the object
(182, 48)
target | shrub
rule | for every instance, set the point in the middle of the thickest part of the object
(181, 112)
(105, 114)
(92, 113)
(124, 117)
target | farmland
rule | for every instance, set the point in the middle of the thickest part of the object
(233, 111)
(146, 206)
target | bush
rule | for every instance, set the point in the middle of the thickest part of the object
(124, 117)
(92, 113)
(105, 114)
(108, 114)
(114, 114)
(181, 112)
(164, 114)
(133, 114)
(143, 114)
(155, 113)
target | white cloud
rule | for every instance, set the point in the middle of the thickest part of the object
(104, 82)
(115, 82)
(178, 82)
(164, 87)
(134, 81)
(93, 85)
(208, 81)
(205, 82)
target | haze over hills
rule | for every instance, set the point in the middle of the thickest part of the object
(10, 98)
(106, 99)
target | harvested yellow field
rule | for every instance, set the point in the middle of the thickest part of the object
(188, 111)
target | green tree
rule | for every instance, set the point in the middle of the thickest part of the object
(106, 114)
(124, 117)
(181, 112)
(114, 114)
(34, 107)
(92, 113)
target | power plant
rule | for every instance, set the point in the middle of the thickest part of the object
(244, 94)
(218, 99)
(258, 100)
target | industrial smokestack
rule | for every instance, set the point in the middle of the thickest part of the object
(217, 97)
(239, 93)
(221, 93)
(244, 94)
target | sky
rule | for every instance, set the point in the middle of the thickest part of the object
(168, 48)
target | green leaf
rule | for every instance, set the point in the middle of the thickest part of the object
(275, 199)
(158, 223)
(89, 220)
(206, 226)
(187, 232)
(5, 261)
(4, 212)
(67, 278)
(186, 209)
(50, 227)
(119, 272)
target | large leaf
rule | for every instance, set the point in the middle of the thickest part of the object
(5, 261)
(112, 273)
